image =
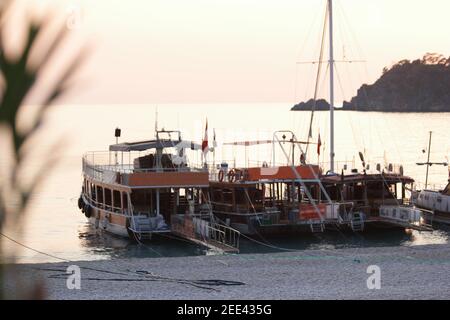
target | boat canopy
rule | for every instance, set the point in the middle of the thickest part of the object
(152, 144)
(387, 177)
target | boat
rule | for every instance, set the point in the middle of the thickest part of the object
(378, 197)
(381, 197)
(437, 200)
(147, 188)
(296, 197)
(271, 198)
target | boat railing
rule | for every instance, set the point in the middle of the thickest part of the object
(348, 167)
(107, 207)
(195, 227)
(101, 164)
(225, 235)
(371, 167)
(437, 187)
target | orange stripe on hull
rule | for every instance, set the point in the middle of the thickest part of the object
(283, 173)
(168, 179)
(308, 212)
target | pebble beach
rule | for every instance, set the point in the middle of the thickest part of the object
(418, 272)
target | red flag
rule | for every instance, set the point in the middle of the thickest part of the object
(319, 144)
(205, 139)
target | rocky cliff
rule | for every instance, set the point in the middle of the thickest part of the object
(421, 85)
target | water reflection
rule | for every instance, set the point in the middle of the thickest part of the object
(102, 245)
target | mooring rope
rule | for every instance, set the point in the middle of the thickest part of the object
(148, 276)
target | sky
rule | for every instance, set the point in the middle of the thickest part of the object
(226, 51)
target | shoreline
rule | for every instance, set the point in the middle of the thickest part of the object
(418, 272)
(371, 111)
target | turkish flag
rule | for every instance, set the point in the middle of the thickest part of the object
(319, 144)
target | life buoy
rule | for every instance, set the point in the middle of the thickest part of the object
(231, 175)
(221, 175)
(87, 211)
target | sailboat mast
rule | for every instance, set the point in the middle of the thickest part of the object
(331, 62)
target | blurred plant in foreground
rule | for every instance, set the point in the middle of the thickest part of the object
(19, 75)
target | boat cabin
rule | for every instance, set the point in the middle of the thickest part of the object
(369, 191)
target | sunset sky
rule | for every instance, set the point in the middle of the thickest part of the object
(157, 51)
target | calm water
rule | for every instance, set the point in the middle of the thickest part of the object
(55, 225)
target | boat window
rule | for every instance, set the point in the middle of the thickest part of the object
(99, 194)
(116, 198)
(108, 197)
(142, 200)
(125, 200)
(375, 192)
(227, 195)
(92, 191)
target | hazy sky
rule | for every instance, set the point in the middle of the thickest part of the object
(156, 51)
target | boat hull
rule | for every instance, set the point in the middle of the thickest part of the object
(436, 202)
(110, 222)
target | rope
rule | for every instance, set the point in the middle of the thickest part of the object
(55, 257)
(143, 244)
(268, 245)
(146, 276)
(149, 276)
(32, 249)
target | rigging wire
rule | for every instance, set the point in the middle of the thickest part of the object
(342, 31)
(303, 120)
(348, 116)
(319, 69)
(351, 31)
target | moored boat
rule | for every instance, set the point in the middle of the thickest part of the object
(437, 201)
(147, 188)
(298, 197)
(381, 197)
(272, 198)
(434, 199)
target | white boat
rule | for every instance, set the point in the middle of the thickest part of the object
(437, 201)
(147, 188)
